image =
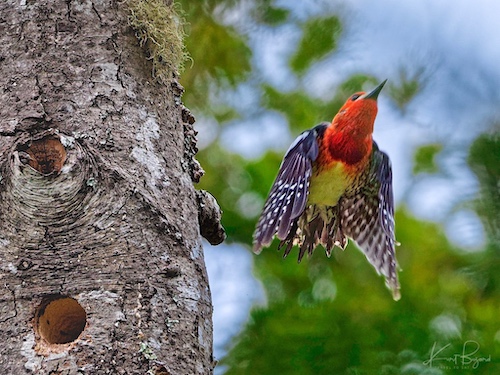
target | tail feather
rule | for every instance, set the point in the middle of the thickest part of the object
(317, 225)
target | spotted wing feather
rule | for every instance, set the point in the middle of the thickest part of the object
(288, 196)
(368, 218)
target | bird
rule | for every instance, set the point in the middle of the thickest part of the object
(335, 184)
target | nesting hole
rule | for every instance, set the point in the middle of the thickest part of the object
(60, 319)
(46, 155)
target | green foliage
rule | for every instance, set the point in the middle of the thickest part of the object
(220, 56)
(409, 86)
(269, 14)
(484, 157)
(230, 62)
(300, 110)
(484, 160)
(319, 38)
(353, 84)
(425, 159)
(359, 329)
(159, 28)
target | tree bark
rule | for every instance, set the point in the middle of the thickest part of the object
(101, 264)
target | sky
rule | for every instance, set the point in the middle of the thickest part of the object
(452, 45)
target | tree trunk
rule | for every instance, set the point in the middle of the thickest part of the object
(101, 263)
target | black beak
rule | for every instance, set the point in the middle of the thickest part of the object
(374, 94)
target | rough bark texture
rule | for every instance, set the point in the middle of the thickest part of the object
(117, 227)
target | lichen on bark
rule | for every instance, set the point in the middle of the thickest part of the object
(159, 29)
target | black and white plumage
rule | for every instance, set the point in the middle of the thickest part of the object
(364, 211)
(288, 196)
(368, 219)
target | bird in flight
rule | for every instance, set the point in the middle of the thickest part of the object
(333, 184)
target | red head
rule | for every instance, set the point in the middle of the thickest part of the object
(350, 135)
(357, 115)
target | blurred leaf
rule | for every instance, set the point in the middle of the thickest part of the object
(224, 113)
(220, 56)
(425, 159)
(484, 159)
(269, 14)
(302, 111)
(409, 87)
(354, 84)
(319, 38)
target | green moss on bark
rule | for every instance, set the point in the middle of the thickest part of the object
(159, 29)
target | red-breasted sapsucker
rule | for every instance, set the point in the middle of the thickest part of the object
(333, 184)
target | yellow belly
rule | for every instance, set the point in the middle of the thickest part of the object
(328, 185)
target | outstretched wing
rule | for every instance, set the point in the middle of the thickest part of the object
(368, 218)
(288, 196)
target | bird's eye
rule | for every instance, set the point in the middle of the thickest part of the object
(355, 96)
